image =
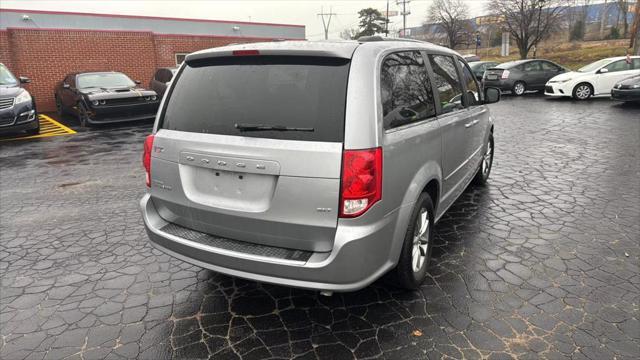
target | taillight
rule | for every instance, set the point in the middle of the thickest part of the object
(505, 74)
(146, 158)
(361, 181)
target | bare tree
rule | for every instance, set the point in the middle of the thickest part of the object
(451, 15)
(623, 7)
(529, 21)
(349, 34)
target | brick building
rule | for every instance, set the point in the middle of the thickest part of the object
(46, 46)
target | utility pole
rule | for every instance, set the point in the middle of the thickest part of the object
(326, 24)
(404, 14)
(386, 21)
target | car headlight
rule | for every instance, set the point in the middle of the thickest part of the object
(147, 98)
(636, 86)
(95, 102)
(154, 98)
(564, 81)
(24, 97)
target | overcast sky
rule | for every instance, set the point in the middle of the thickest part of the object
(288, 12)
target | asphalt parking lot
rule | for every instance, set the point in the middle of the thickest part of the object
(544, 262)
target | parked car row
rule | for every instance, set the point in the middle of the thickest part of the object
(92, 97)
(616, 77)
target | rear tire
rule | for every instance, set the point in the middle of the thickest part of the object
(582, 91)
(519, 88)
(416, 249)
(482, 176)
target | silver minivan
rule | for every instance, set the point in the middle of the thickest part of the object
(318, 165)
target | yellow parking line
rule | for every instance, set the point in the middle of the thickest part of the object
(68, 130)
(48, 128)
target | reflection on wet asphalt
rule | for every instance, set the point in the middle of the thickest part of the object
(544, 262)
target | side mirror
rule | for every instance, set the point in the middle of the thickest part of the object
(137, 82)
(603, 71)
(491, 95)
(66, 86)
(24, 80)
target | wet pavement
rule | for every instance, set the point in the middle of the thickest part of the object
(544, 262)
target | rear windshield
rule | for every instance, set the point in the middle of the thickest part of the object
(214, 95)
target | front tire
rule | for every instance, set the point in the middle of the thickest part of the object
(83, 116)
(582, 91)
(34, 132)
(482, 176)
(418, 244)
(519, 88)
(59, 109)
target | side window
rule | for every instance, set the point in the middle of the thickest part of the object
(447, 81)
(405, 89)
(547, 66)
(636, 64)
(532, 66)
(158, 75)
(69, 80)
(620, 65)
(473, 94)
(166, 76)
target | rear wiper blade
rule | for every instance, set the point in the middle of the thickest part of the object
(263, 127)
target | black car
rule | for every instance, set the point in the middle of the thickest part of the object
(160, 80)
(522, 75)
(478, 67)
(627, 89)
(104, 97)
(17, 107)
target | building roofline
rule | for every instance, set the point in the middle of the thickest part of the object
(151, 32)
(146, 17)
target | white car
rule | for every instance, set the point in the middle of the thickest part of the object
(595, 79)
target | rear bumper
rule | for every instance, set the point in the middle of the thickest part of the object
(625, 94)
(360, 256)
(503, 85)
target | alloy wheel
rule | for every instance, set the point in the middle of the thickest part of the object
(583, 92)
(420, 240)
(519, 89)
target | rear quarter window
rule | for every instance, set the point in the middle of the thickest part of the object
(214, 95)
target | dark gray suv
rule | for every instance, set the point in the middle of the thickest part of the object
(320, 165)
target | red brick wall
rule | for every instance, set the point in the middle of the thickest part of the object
(5, 52)
(47, 55)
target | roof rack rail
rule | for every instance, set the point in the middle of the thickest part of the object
(375, 38)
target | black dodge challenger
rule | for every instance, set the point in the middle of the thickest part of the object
(104, 97)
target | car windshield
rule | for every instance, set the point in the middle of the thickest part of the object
(104, 80)
(6, 77)
(594, 66)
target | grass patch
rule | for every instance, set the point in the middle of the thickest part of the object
(572, 55)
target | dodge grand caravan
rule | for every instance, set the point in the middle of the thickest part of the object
(319, 165)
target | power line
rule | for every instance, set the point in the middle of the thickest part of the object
(326, 24)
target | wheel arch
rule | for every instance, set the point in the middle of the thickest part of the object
(427, 179)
